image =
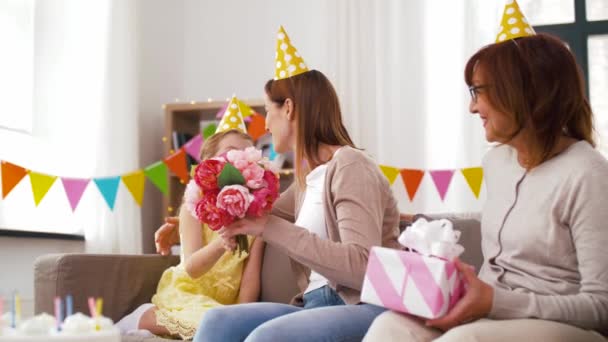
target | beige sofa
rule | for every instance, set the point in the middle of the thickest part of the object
(126, 281)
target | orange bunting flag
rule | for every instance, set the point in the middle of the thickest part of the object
(474, 177)
(41, 184)
(411, 179)
(11, 176)
(177, 163)
(390, 173)
(257, 126)
(135, 183)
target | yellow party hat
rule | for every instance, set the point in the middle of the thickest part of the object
(513, 24)
(232, 118)
(288, 60)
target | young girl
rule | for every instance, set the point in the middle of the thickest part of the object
(208, 276)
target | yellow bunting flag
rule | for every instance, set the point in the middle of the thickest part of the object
(513, 24)
(288, 61)
(135, 182)
(390, 173)
(474, 176)
(245, 109)
(11, 175)
(411, 179)
(41, 184)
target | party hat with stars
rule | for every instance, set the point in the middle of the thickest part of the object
(288, 61)
(513, 24)
(232, 118)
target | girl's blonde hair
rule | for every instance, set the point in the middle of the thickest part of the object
(210, 146)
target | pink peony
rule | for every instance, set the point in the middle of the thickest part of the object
(235, 199)
(254, 176)
(272, 182)
(262, 202)
(207, 171)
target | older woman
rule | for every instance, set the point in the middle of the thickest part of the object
(545, 222)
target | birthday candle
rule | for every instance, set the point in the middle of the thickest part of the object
(13, 325)
(58, 318)
(99, 306)
(18, 308)
(1, 305)
(69, 305)
(92, 306)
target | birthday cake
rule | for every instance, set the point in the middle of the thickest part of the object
(77, 327)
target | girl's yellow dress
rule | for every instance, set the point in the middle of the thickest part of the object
(182, 301)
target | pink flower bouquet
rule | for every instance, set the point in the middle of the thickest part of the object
(236, 185)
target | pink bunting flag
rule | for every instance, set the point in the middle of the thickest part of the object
(193, 147)
(74, 188)
(442, 179)
(222, 110)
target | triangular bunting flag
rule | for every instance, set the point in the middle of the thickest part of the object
(11, 175)
(209, 130)
(390, 173)
(41, 184)
(272, 154)
(257, 126)
(411, 179)
(177, 163)
(193, 147)
(135, 182)
(74, 188)
(157, 174)
(245, 109)
(474, 176)
(108, 187)
(442, 179)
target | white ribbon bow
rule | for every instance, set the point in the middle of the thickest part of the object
(435, 238)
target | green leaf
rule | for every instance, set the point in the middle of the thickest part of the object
(230, 176)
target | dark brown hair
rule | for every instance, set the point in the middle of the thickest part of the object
(317, 114)
(211, 144)
(537, 82)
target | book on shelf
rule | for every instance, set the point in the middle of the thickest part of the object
(179, 140)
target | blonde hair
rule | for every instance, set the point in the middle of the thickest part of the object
(210, 146)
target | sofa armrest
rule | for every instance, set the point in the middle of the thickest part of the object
(123, 281)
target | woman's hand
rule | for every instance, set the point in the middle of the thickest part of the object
(167, 235)
(476, 303)
(246, 226)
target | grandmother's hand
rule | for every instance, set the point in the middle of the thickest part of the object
(476, 303)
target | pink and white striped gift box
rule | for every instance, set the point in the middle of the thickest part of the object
(411, 283)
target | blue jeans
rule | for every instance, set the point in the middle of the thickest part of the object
(324, 317)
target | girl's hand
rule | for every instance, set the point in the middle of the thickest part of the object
(167, 235)
(246, 226)
(476, 303)
(228, 244)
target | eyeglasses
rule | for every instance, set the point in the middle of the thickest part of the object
(474, 91)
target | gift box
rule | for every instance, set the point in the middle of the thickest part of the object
(424, 282)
